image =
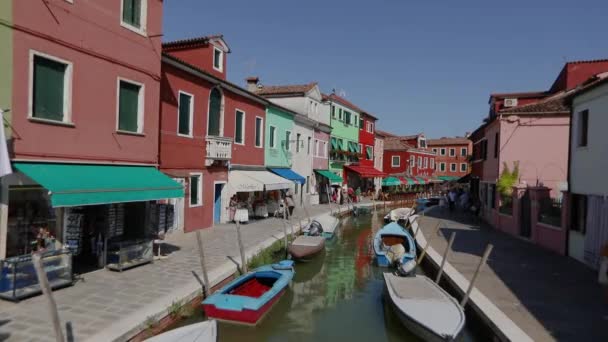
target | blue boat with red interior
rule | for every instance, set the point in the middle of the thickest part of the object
(249, 297)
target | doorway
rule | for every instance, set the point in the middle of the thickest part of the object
(217, 202)
(525, 216)
(178, 205)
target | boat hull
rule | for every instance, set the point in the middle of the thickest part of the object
(306, 251)
(416, 328)
(245, 317)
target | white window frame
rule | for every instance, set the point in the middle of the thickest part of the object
(452, 152)
(140, 105)
(317, 145)
(325, 153)
(419, 162)
(199, 195)
(298, 136)
(272, 137)
(442, 151)
(413, 161)
(360, 148)
(221, 67)
(370, 127)
(453, 167)
(398, 161)
(308, 141)
(463, 167)
(191, 123)
(261, 145)
(426, 162)
(420, 142)
(287, 143)
(67, 89)
(465, 150)
(432, 163)
(372, 147)
(143, 20)
(435, 150)
(442, 167)
(243, 126)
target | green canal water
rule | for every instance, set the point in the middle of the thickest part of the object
(337, 296)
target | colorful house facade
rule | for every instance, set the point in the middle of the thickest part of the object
(452, 157)
(414, 163)
(344, 140)
(280, 128)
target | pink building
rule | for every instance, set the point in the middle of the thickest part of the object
(321, 156)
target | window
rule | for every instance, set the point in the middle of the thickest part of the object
(218, 59)
(333, 111)
(239, 127)
(298, 135)
(340, 114)
(317, 152)
(184, 112)
(583, 128)
(134, 15)
(423, 143)
(308, 146)
(442, 167)
(287, 142)
(433, 163)
(396, 161)
(361, 123)
(463, 167)
(259, 122)
(272, 136)
(463, 151)
(347, 117)
(419, 162)
(426, 162)
(578, 216)
(496, 145)
(452, 152)
(413, 161)
(370, 152)
(442, 152)
(435, 150)
(50, 89)
(360, 150)
(215, 113)
(370, 127)
(325, 149)
(453, 167)
(130, 106)
(196, 189)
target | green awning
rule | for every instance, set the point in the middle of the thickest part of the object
(391, 181)
(353, 147)
(420, 180)
(334, 144)
(448, 178)
(77, 184)
(333, 178)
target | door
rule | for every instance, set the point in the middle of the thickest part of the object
(178, 208)
(217, 203)
(525, 216)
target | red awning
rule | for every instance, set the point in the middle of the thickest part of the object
(366, 172)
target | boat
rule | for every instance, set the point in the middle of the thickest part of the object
(198, 332)
(328, 225)
(399, 214)
(305, 247)
(248, 298)
(393, 245)
(424, 307)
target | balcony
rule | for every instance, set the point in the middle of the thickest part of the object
(218, 149)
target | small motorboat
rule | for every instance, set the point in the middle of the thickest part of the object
(249, 297)
(393, 245)
(324, 225)
(398, 215)
(198, 332)
(424, 307)
(305, 247)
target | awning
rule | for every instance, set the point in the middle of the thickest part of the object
(78, 184)
(353, 147)
(332, 177)
(391, 181)
(289, 174)
(407, 181)
(366, 172)
(248, 181)
(334, 144)
(420, 180)
(448, 178)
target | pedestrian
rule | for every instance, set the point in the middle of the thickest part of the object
(290, 202)
(357, 194)
(452, 199)
(232, 207)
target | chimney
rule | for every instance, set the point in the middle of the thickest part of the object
(467, 134)
(252, 83)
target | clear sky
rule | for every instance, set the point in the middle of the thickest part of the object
(418, 65)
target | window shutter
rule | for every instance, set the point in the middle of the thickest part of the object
(184, 114)
(215, 103)
(49, 78)
(238, 136)
(128, 107)
(194, 190)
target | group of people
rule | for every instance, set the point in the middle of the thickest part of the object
(345, 193)
(460, 198)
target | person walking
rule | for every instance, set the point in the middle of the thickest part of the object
(290, 202)
(452, 199)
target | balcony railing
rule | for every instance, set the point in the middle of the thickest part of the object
(218, 148)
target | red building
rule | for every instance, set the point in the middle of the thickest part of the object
(362, 174)
(404, 156)
(452, 157)
(208, 126)
(83, 126)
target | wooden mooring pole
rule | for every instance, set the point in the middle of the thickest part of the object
(428, 242)
(483, 261)
(445, 256)
(285, 231)
(48, 293)
(241, 248)
(201, 253)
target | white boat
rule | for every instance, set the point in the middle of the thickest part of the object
(198, 332)
(425, 308)
(328, 222)
(399, 214)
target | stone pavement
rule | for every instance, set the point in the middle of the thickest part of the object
(105, 305)
(550, 297)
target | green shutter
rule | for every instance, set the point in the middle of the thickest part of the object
(49, 78)
(258, 132)
(369, 153)
(215, 104)
(194, 190)
(238, 135)
(271, 132)
(128, 107)
(185, 103)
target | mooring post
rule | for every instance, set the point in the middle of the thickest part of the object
(482, 262)
(201, 253)
(285, 231)
(46, 290)
(241, 248)
(445, 256)
(428, 242)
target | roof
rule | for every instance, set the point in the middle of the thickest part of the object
(555, 104)
(588, 85)
(396, 144)
(588, 61)
(448, 141)
(526, 94)
(384, 133)
(342, 101)
(193, 42)
(294, 89)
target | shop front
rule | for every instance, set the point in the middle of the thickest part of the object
(362, 177)
(80, 218)
(326, 180)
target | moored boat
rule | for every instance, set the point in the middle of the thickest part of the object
(328, 225)
(393, 245)
(198, 332)
(399, 214)
(249, 297)
(306, 247)
(424, 307)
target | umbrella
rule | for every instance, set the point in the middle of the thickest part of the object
(391, 181)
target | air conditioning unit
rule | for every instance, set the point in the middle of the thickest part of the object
(510, 102)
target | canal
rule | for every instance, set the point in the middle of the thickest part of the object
(336, 296)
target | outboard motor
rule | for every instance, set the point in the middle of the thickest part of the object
(315, 228)
(407, 269)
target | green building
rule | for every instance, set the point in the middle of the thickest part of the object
(279, 130)
(344, 122)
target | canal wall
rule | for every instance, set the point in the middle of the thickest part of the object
(491, 316)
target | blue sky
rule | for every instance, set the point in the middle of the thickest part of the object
(420, 66)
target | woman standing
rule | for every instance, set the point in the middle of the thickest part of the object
(232, 207)
(290, 202)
